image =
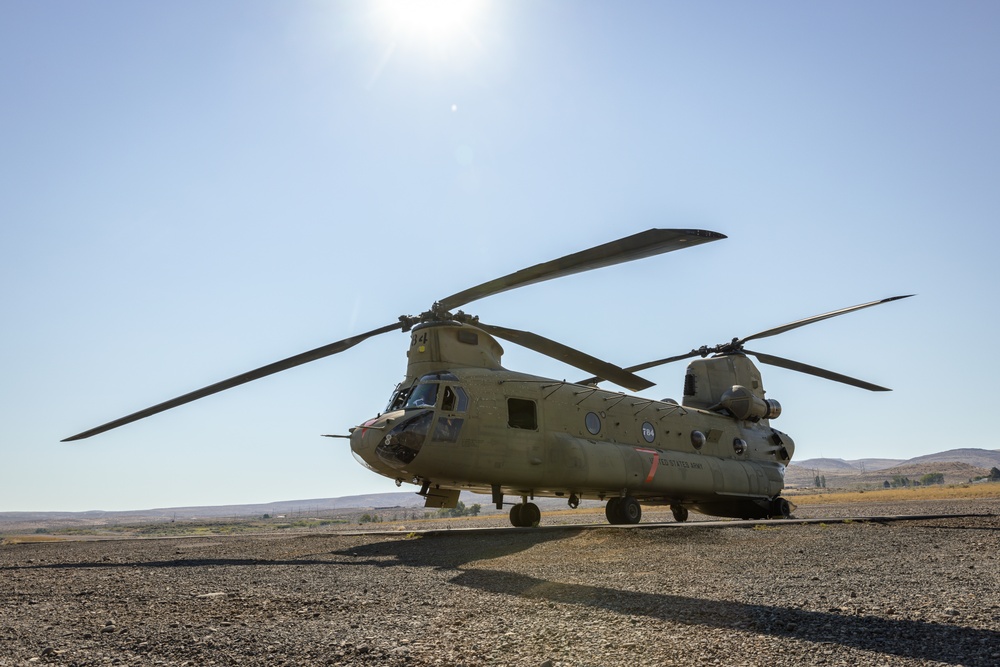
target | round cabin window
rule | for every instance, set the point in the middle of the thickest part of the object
(593, 423)
(697, 439)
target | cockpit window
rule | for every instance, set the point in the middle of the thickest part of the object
(455, 400)
(398, 399)
(423, 395)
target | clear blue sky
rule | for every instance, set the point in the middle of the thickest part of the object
(189, 190)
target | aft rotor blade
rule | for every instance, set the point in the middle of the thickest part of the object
(812, 370)
(263, 371)
(818, 318)
(648, 364)
(644, 244)
(568, 355)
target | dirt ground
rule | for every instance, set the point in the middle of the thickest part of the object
(913, 592)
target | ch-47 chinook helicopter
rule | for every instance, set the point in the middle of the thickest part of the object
(459, 420)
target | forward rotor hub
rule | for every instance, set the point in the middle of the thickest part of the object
(437, 314)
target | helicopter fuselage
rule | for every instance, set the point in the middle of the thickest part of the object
(461, 421)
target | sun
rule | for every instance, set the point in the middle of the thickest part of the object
(432, 21)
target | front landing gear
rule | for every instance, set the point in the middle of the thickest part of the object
(525, 515)
(623, 511)
(680, 513)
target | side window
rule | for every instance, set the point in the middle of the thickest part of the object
(521, 414)
(455, 400)
(447, 429)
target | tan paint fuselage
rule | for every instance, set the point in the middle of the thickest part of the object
(641, 447)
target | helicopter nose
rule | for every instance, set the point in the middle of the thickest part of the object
(392, 441)
(364, 440)
(364, 437)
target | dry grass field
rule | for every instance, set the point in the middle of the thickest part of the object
(937, 492)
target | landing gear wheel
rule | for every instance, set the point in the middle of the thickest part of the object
(680, 513)
(530, 515)
(780, 509)
(611, 511)
(623, 510)
(515, 515)
(630, 510)
(525, 515)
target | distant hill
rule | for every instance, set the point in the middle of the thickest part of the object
(980, 458)
(957, 465)
(832, 465)
(316, 507)
(840, 465)
(289, 507)
(877, 464)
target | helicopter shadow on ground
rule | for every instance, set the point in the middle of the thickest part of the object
(428, 551)
(918, 639)
(923, 640)
(450, 551)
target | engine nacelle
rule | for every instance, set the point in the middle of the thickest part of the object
(742, 403)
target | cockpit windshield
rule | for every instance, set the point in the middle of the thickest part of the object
(422, 396)
(398, 399)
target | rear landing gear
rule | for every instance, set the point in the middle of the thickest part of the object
(623, 511)
(525, 515)
(680, 513)
(780, 509)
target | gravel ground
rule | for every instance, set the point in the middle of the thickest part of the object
(916, 592)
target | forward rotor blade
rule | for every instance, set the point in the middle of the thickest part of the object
(644, 244)
(648, 364)
(818, 318)
(568, 355)
(263, 371)
(812, 370)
